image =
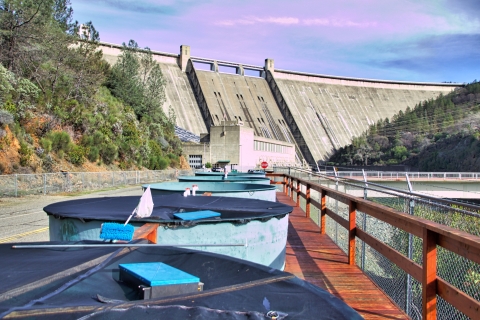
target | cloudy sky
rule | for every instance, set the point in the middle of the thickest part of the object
(410, 40)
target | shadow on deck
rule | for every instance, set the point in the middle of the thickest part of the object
(317, 259)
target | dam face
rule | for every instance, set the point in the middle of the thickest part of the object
(316, 113)
(329, 112)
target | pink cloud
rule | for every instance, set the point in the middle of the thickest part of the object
(296, 21)
(254, 20)
(341, 23)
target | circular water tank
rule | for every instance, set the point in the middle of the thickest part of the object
(262, 226)
(216, 178)
(236, 190)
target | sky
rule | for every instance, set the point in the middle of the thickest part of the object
(407, 40)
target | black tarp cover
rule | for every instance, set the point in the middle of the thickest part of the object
(120, 208)
(71, 283)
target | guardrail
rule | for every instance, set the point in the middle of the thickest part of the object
(411, 175)
(15, 185)
(426, 267)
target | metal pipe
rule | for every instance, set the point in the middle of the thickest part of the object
(121, 245)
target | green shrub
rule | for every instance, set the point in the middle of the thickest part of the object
(60, 141)
(109, 152)
(163, 163)
(98, 138)
(87, 141)
(392, 162)
(208, 165)
(46, 144)
(158, 162)
(10, 107)
(76, 155)
(174, 160)
(152, 162)
(93, 153)
(125, 165)
(25, 153)
(400, 152)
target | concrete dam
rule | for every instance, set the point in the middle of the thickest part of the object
(315, 113)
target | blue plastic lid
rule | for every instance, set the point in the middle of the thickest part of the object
(194, 215)
(158, 273)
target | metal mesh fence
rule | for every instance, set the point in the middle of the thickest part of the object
(50, 183)
(401, 287)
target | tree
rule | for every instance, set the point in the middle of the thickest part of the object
(123, 80)
(400, 153)
(137, 79)
(25, 23)
(39, 41)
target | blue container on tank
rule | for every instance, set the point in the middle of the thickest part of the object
(229, 178)
(235, 190)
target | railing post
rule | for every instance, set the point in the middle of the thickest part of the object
(285, 183)
(323, 211)
(298, 192)
(352, 212)
(409, 298)
(364, 222)
(307, 205)
(291, 188)
(429, 281)
(336, 211)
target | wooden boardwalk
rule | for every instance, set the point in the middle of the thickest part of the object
(318, 260)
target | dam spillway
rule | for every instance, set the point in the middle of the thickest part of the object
(316, 113)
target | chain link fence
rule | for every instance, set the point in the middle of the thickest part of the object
(396, 283)
(16, 185)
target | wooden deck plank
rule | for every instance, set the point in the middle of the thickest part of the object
(318, 260)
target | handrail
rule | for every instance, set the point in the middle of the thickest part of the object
(386, 175)
(393, 191)
(432, 234)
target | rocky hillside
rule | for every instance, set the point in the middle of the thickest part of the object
(62, 107)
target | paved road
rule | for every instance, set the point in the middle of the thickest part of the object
(23, 220)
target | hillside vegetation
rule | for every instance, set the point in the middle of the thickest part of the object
(62, 107)
(440, 134)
